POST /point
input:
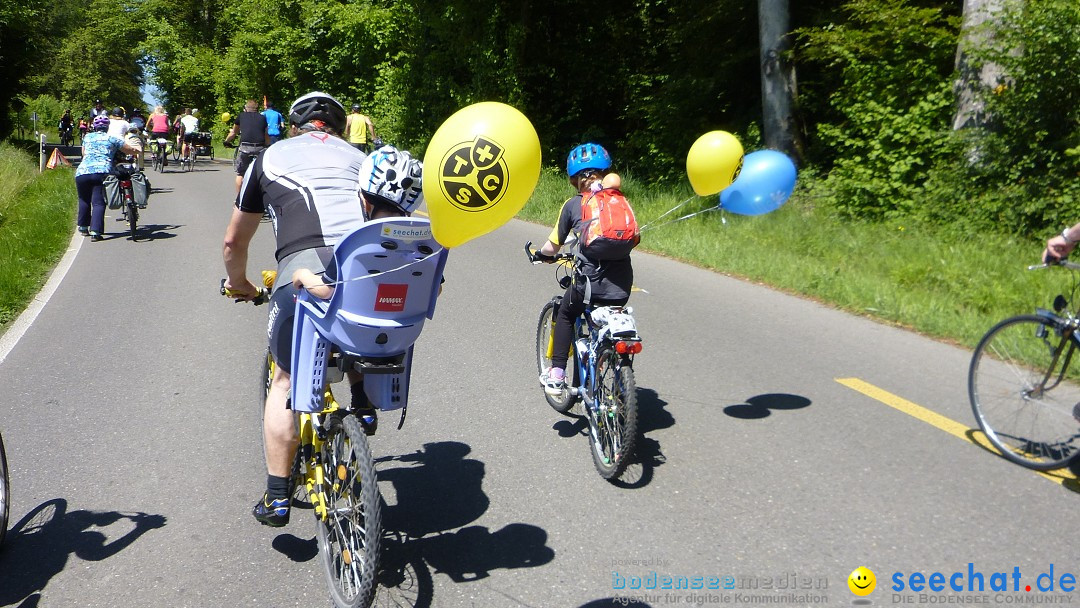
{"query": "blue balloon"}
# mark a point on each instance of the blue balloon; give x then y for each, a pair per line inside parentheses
(765, 182)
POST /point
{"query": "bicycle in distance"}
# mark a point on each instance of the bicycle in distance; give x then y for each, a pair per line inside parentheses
(1023, 390)
(161, 147)
(599, 372)
(387, 287)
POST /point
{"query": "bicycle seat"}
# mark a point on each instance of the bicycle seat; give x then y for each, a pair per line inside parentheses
(389, 272)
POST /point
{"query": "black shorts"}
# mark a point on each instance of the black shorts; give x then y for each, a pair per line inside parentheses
(279, 326)
(245, 155)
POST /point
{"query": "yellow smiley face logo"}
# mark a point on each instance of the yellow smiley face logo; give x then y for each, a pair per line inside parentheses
(861, 581)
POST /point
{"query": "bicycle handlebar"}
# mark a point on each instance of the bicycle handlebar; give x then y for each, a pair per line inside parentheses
(537, 258)
(261, 298)
(1063, 262)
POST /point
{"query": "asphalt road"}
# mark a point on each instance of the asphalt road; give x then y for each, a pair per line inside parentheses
(129, 409)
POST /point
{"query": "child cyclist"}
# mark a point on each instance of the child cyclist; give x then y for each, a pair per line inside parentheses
(603, 282)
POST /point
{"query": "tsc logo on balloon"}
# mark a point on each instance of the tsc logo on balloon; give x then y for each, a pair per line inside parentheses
(473, 174)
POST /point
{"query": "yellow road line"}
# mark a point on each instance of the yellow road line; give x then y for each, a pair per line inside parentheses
(950, 426)
(421, 213)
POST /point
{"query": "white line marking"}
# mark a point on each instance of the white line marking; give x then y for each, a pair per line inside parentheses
(21, 324)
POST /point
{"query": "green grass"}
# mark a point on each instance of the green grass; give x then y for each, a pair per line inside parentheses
(946, 287)
(37, 217)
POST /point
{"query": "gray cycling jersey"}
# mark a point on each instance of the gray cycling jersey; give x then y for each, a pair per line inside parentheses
(308, 184)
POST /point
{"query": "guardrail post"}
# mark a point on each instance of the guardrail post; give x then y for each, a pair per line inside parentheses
(41, 153)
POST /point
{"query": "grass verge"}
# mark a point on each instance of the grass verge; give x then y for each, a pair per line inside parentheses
(37, 216)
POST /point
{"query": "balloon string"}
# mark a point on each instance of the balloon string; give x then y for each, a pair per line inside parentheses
(669, 211)
(682, 218)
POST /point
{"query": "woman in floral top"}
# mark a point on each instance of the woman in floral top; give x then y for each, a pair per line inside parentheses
(98, 148)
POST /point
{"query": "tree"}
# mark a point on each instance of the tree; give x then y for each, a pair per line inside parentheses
(778, 90)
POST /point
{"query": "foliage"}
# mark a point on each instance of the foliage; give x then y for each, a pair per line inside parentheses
(889, 103)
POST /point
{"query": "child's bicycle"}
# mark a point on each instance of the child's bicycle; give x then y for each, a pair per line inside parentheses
(390, 273)
(599, 371)
(1025, 397)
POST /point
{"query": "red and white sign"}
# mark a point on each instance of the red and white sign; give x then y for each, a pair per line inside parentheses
(390, 297)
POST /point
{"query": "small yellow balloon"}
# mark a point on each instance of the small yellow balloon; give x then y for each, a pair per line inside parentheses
(226, 117)
(480, 168)
(713, 162)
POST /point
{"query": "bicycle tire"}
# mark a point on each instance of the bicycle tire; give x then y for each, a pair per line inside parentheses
(613, 420)
(353, 525)
(132, 216)
(176, 154)
(5, 492)
(544, 328)
(1030, 424)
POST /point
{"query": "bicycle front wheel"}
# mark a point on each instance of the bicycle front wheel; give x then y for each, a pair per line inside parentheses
(5, 492)
(545, 330)
(613, 419)
(349, 537)
(1024, 397)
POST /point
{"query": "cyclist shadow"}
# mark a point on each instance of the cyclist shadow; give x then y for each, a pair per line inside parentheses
(1068, 476)
(437, 492)
(652, 416)
(38, 546)
(155, 232)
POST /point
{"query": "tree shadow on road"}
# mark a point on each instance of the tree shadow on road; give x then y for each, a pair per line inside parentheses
(38, 546)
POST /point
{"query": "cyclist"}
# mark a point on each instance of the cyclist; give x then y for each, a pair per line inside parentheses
(309, 184)
(360, 130)
(66, 127)
(118, 127)
(158, 123)
(98, 110)
(274, 122)
(189, 124)
(84, 127)
(251, 127)
(98, 149)
(604, 283)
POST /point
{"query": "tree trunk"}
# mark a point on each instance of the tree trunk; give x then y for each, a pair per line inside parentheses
(778, 90)
(975, 79)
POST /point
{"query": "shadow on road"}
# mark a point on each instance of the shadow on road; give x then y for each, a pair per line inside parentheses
(38, 546)
(652, 416)
(761, 406)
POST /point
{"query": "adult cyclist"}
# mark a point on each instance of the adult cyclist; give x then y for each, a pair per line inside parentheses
(309, 183)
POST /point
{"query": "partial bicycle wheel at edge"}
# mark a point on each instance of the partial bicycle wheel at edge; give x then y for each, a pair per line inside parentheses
(133, 217)
(5, 492)
(349, 539)
(613, 425)
(544, 329)
(1022, 394)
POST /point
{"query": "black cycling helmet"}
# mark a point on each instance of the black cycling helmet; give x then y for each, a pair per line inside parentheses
(356, 107)
(117, 111)
(318, 106)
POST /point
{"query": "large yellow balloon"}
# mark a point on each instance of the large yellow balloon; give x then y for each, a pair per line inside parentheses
(713, 162)
(481, 166)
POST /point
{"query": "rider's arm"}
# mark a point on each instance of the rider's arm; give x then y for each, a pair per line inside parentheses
(233, 132)
(371, 128)
(315, 284)
(238, 236)
(1061, 245)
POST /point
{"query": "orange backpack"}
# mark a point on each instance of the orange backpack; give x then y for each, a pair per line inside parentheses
(609, 229)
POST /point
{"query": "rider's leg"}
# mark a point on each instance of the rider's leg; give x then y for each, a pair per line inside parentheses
(369, 418)
(279, 437)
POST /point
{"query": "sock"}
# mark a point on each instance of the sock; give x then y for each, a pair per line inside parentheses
(556, 374)
(276, 487)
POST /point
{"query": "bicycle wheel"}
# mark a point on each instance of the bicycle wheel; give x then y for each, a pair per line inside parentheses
(544, 330)
(613, 421)
(132, 215)
(349, 538)
(1024, 399)
(5, 492)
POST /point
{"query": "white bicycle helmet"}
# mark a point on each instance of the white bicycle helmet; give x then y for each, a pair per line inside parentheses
(318, 106)
(393, 177)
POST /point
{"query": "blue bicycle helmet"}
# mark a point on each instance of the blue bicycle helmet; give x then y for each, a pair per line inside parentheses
(587, 156)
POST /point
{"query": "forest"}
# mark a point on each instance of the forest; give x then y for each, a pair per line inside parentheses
(963, 115)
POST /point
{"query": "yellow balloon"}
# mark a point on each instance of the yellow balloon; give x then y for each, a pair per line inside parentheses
(480, 168)
(713, 162)
(226, 117)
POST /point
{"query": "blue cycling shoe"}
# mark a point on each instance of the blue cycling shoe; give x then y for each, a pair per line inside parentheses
(273, 513)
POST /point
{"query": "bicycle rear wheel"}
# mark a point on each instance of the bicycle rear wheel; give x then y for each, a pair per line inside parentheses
(132, 215)
(544, 334)
(5, 492)
(1024, 398)
(349, 538)
(613, 420)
